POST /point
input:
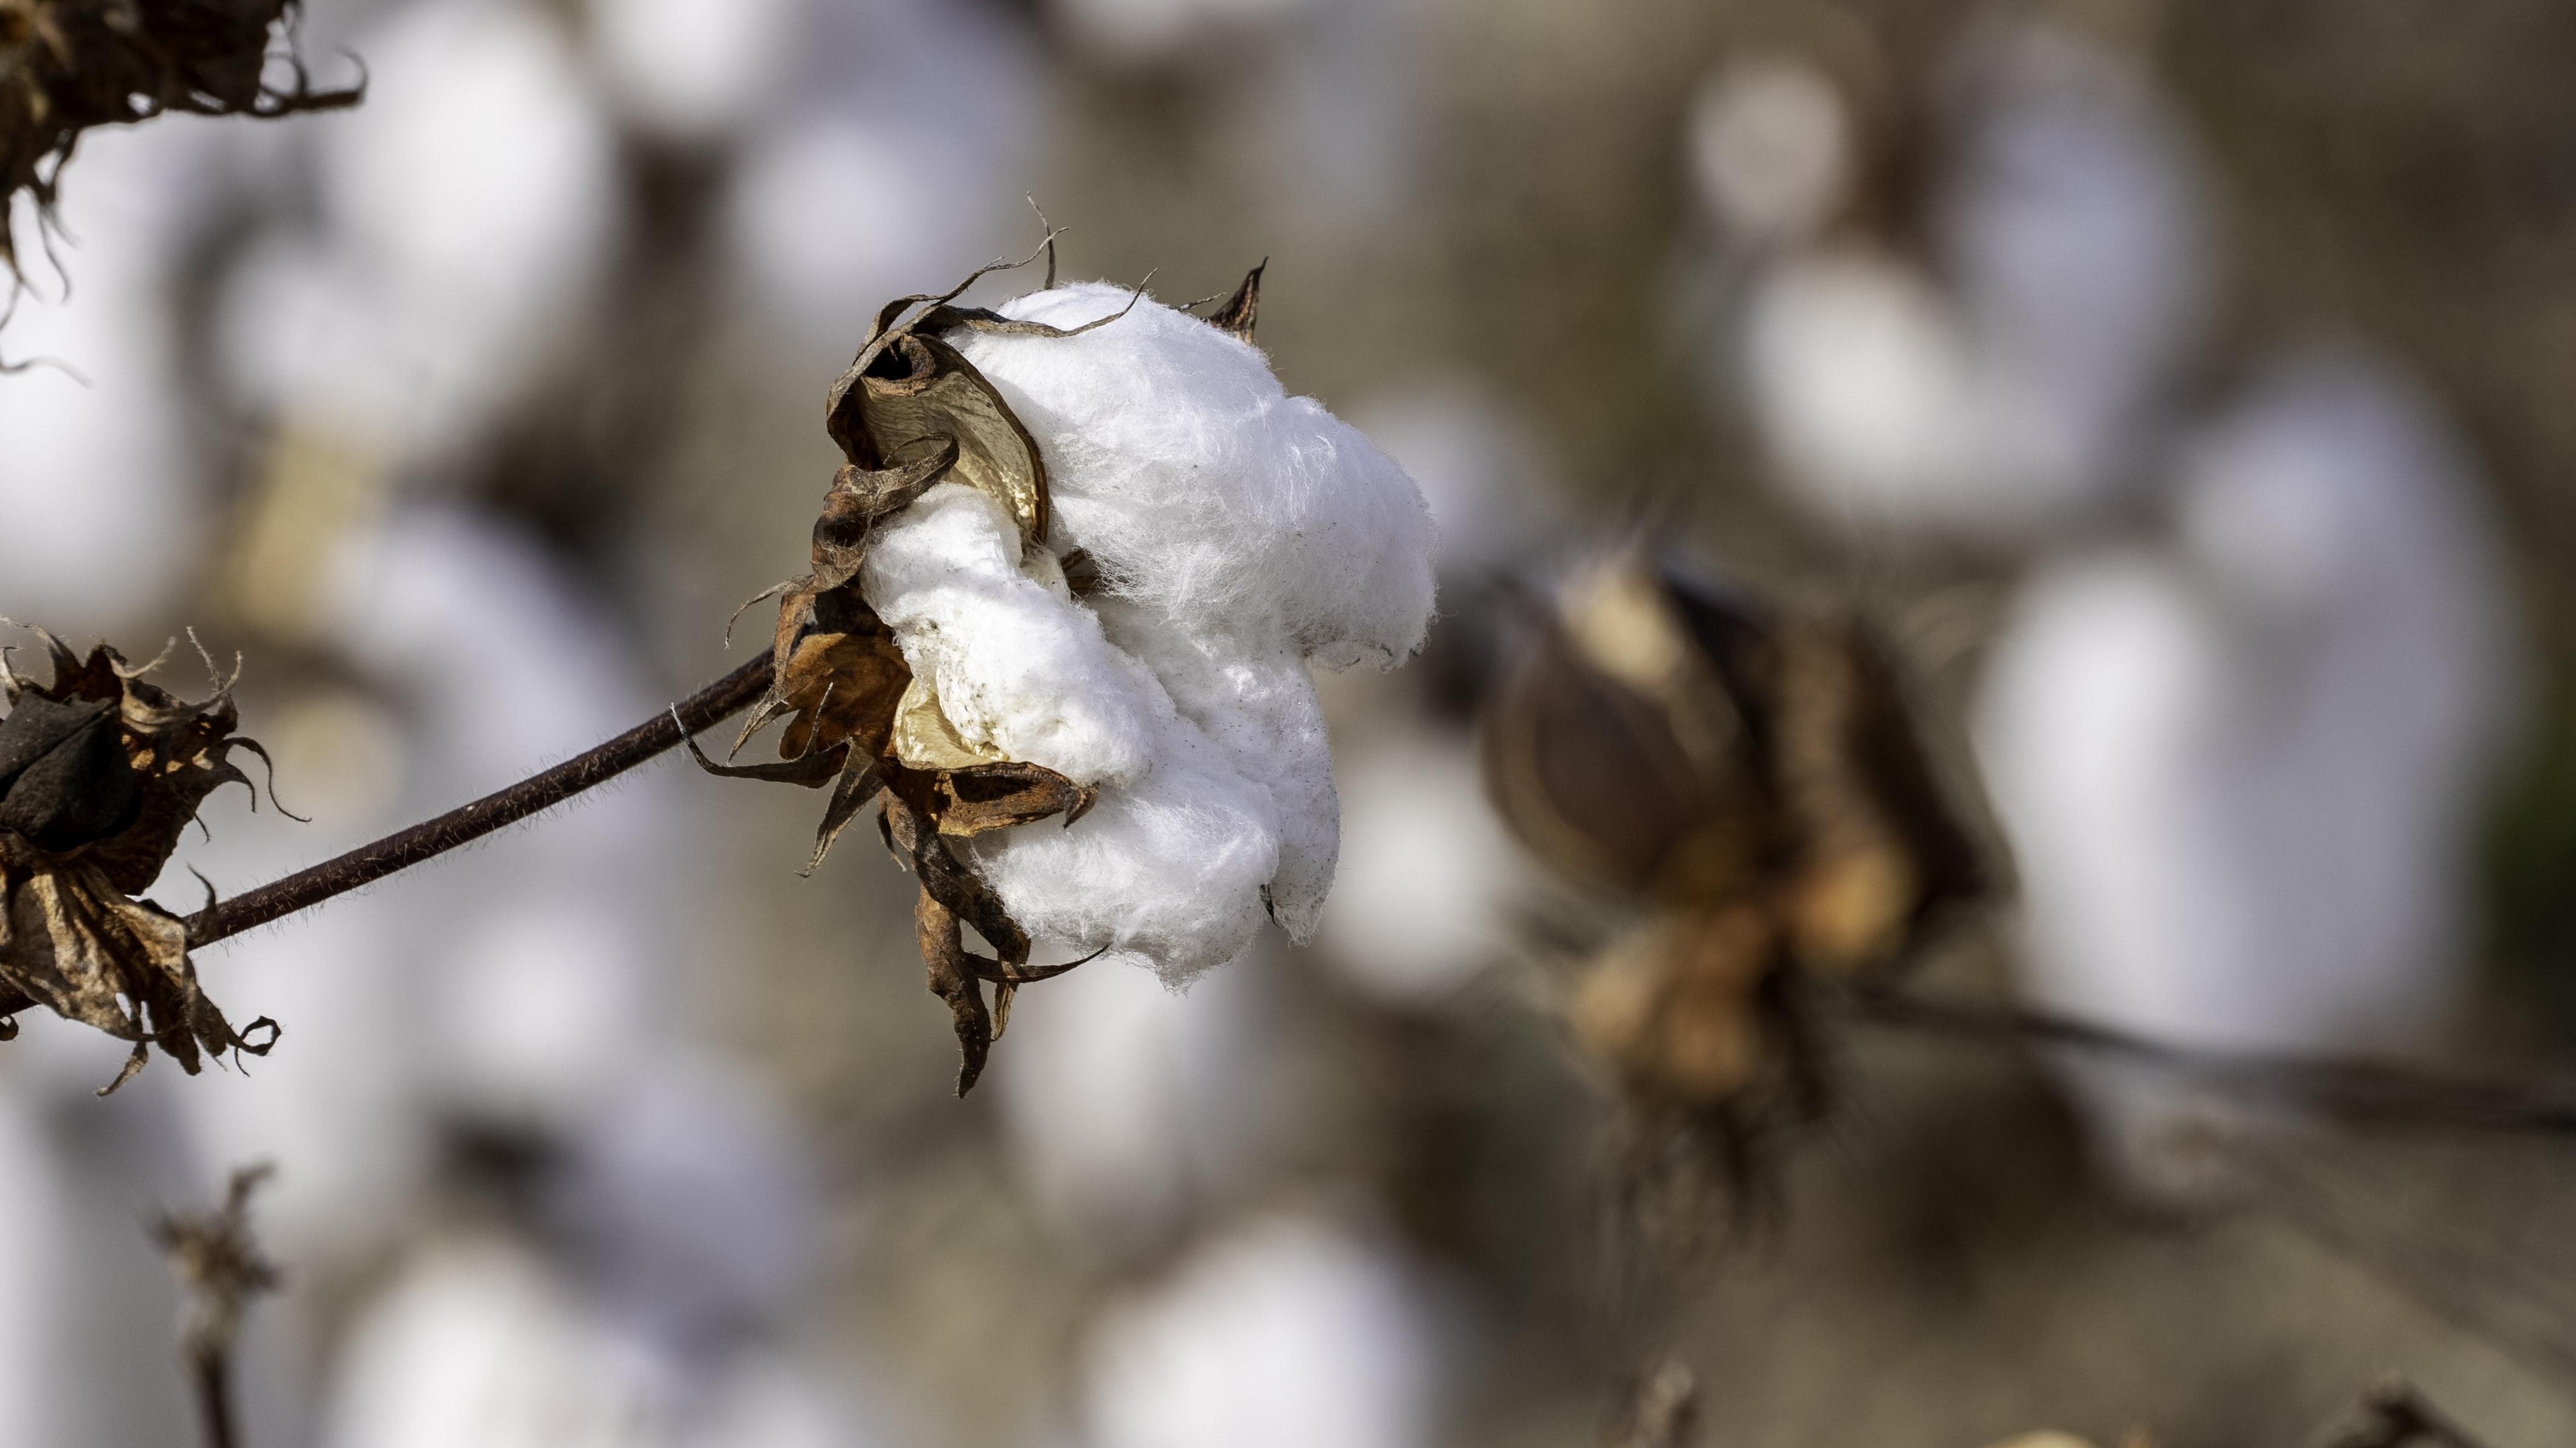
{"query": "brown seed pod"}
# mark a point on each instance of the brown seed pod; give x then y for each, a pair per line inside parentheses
(100, 772)
(68, 65)
(1754, 775)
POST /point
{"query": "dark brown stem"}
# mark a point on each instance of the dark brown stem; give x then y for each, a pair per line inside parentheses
(2364, 1091)
(465, 824)
(214, 1394)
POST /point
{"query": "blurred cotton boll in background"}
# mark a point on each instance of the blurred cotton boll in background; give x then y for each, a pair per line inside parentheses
(693, 70)
(2004, 384)
(1289, 1330)
(871, 173)
(1771, 142)
(102, 479)
(463, 216)
(1135, 1109)
(2239, 768)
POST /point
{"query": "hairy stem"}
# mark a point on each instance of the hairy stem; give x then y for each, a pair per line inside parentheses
(2359, 1091)
(465, 824)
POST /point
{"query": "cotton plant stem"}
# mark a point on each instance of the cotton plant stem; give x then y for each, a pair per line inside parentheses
(465, 824)
(2359, 1091)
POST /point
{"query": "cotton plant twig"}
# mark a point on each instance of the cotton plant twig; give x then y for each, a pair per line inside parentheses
(465, 824)
(2395, 1415)
(2353, 1090)
(216, 1257)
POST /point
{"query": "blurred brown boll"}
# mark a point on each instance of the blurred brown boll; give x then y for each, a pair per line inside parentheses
(1753, 775)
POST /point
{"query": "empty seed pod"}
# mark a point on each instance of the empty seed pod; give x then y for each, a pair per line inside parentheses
(100, 772)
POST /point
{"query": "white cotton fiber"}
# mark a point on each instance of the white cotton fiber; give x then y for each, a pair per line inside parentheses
(1240, 534)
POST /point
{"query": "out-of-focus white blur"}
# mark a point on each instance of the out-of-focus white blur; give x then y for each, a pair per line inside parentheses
(2239, 763)
(1992, 369)
(1291, 1330)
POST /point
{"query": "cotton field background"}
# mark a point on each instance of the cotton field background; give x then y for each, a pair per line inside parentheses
(2183, 390)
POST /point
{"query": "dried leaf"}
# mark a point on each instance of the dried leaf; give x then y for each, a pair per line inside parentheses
(99, 774)
(1242, 311)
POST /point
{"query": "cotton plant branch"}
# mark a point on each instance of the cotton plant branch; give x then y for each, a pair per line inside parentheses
(2351, 1090)
(465, 824)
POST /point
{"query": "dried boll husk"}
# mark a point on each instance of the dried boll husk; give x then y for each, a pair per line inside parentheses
(1697, 748)
(1751, 773)
(100, 772)
(68, 65)
(910, 413)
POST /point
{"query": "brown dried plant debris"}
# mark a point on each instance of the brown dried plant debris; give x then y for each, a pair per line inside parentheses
(100, 773)
(1753, 775)
(910, 413)
(69, 65)
(220, 1263)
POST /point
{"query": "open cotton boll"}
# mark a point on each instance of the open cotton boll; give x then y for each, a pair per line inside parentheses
(1206, 493)
(1238, 534)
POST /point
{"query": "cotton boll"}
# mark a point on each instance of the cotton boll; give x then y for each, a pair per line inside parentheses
(1290, 1331)
(1771, 149)
(2237, 772)
(1134, 1108)
(1167, 871)
(2073, 224)
(1428, 874)
(1859, 378)
(466, 208)
(1261, 711)
(692, 69)
(2006, 386)
(1016, 663)
(1239, 533)
(1207, 494)
(868, 176)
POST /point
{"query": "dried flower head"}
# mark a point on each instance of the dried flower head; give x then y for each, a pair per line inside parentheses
(68, 65)
(1754, 775)
(100, 773)
(1075, 568)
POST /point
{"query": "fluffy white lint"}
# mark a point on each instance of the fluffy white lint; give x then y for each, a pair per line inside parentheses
(1239, 535)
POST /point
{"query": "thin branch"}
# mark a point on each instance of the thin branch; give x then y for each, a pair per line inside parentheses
(2366, 1091)
(367, 864)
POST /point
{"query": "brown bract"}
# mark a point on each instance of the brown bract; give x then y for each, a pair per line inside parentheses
(910, 413)
(100, 772)
(68, 65)
(1754, 775)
